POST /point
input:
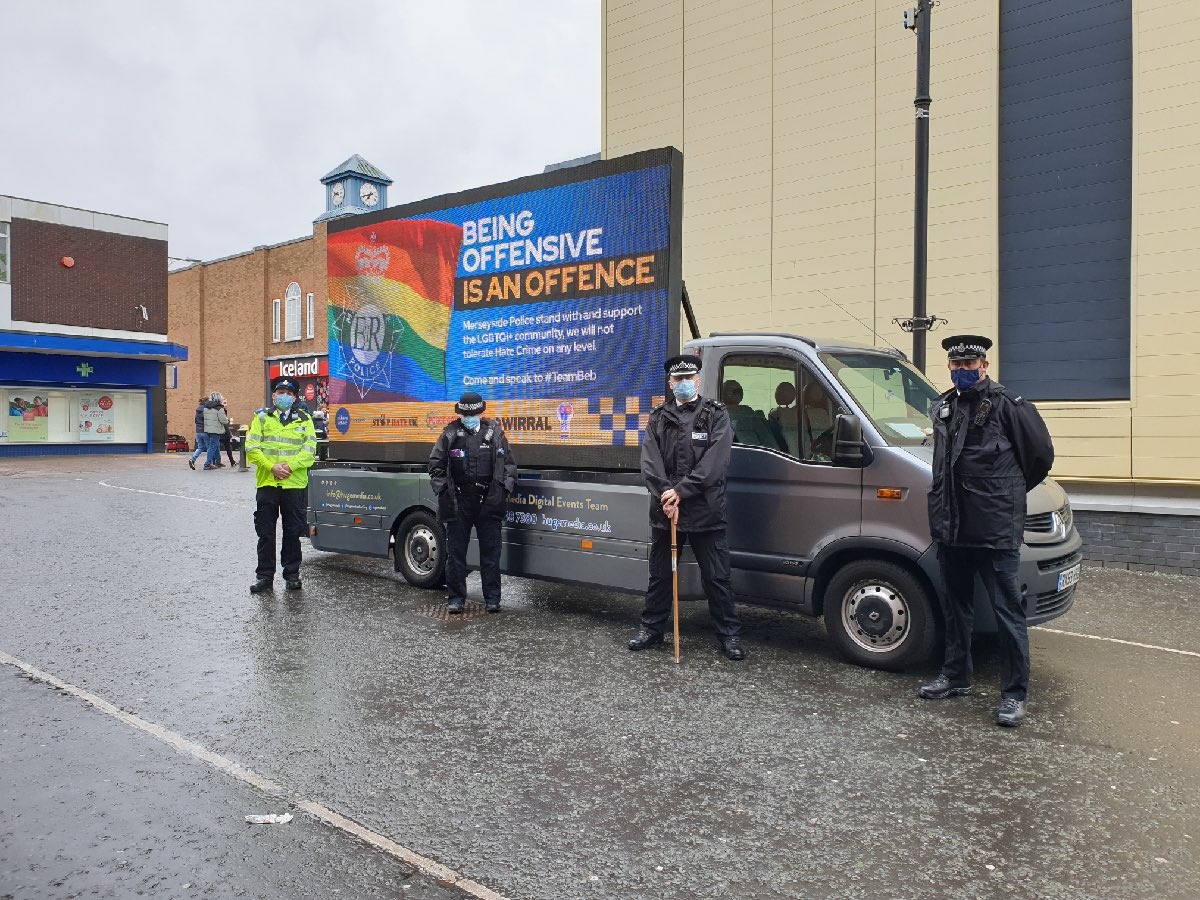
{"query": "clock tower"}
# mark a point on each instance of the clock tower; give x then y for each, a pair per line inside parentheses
(354, 187)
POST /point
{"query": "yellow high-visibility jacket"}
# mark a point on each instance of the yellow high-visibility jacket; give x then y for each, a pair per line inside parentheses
(270, 442)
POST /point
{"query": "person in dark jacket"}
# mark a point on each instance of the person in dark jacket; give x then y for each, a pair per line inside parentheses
(685, 456)
(201, 437)
(473, 473)
(989, 450)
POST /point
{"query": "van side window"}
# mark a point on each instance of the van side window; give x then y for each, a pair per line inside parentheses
(759, 391)
(818, 412)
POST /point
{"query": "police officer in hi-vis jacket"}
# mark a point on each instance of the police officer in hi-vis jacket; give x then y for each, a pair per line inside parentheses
(282, 445)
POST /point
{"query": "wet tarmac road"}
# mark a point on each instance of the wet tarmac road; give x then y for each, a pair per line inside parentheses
(532, 753)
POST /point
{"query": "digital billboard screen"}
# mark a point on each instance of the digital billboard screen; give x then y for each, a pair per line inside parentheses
(554, 297)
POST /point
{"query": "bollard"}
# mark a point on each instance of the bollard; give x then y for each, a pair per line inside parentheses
(242, 450)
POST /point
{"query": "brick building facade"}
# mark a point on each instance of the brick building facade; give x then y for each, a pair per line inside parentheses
(85, 361)
(243, 314)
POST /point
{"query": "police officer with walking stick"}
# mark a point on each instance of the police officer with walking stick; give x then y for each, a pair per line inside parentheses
(473, 473)
(685, 456)
(989, 449)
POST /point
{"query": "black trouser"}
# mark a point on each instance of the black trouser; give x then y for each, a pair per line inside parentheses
(999, 572)
(711, 550)
(288, 504)
(486, 518)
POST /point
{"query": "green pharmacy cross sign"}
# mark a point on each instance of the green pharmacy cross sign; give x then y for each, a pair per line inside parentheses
(84, 369)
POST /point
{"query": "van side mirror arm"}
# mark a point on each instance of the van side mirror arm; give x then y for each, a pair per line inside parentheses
(850, 451)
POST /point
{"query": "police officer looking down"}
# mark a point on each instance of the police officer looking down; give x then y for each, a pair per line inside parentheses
(282, 445)
(989, 450)
(685, 456)
(473, 473)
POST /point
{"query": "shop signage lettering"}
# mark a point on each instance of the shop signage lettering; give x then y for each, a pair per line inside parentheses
(308, 367)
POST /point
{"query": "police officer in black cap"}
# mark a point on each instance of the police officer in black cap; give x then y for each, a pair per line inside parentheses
(473, 473)
(684, 459)
(989, 450)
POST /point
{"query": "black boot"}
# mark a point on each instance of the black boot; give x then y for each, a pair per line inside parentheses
(645, 638)
(492, 606)
(262, 585)
(941, 688)
(732, 647)
(294, 583)
(1011, 713)
(456, 606)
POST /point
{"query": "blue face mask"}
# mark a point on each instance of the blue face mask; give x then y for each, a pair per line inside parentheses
(684, 390)
(471, 423)
(964, 379)
(284, 401)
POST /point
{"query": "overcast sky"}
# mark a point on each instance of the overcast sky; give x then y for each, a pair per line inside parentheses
(219, 117)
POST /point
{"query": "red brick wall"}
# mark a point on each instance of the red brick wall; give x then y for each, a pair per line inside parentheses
(114, 276)
(222, 312)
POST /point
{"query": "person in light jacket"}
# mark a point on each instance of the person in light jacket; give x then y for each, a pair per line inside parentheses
(215, 421)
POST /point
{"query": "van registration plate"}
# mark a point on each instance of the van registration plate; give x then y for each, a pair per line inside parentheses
(1069, 577)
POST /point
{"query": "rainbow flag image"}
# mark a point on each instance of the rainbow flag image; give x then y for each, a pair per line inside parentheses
(391, 292)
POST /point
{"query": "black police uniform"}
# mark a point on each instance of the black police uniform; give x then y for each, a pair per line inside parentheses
(687, 448)
(989, 450)
(472, 474)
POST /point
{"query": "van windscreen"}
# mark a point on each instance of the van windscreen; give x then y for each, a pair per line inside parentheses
(895, 396)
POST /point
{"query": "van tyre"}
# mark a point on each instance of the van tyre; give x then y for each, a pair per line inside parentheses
(880, 615)
(420, 551)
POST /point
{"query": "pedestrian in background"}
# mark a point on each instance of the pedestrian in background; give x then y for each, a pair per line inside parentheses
(201, 442)
(473, 473)
(227, 435)
(282, 446)
(215, 421)
(685, 455)
(989, 450)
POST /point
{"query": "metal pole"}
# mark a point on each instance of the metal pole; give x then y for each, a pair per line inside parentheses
(242, 449)
(921, 216)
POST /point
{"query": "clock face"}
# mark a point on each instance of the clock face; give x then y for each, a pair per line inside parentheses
(338, 193)
(369, 194)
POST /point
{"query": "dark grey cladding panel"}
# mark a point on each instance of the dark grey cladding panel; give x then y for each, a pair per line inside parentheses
(1066, 143)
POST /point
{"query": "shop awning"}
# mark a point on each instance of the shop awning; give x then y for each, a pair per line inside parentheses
(82, 345)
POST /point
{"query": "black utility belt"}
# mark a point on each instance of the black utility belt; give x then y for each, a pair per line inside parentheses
(472, 489)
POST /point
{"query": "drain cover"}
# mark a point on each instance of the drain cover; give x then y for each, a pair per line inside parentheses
(438, 611)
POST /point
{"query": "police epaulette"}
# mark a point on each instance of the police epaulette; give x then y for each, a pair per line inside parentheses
(265, 409)
(713, 404)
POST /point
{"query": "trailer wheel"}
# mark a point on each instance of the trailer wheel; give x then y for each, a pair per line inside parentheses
(880, 615)
(420, 552)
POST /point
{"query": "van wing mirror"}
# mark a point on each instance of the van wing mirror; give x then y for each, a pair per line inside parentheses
(849, 449)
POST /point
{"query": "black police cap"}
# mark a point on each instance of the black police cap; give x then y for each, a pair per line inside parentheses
(683, 366)
(470, 404)
(966, 346)
(284, 382)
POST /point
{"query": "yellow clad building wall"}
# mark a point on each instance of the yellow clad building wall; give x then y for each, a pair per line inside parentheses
(796, 124)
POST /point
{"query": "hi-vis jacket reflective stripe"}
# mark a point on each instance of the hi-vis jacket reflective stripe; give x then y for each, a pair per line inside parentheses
(270, 442)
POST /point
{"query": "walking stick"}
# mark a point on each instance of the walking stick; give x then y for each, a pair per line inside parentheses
(675, 586)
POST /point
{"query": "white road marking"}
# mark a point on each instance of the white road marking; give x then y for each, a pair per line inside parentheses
(117, 487)
(1096, 637)
(250, 777)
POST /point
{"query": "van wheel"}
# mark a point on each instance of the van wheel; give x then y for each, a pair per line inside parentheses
(880, 615)
(420, 551)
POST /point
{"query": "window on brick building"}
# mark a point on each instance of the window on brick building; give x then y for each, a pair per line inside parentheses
(308, 316)
(275, 319)
(4, 269)
(292, 313)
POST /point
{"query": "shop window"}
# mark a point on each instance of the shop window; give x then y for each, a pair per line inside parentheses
(308, 316)
(4, 244)
(292, 313)
(275, 319)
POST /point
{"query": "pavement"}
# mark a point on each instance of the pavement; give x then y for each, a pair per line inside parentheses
(529, 753)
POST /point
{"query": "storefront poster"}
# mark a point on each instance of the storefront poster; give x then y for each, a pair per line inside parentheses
(96, 417)
(28, 418)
